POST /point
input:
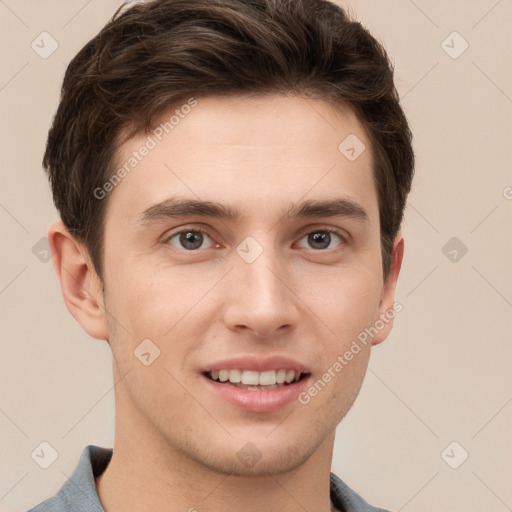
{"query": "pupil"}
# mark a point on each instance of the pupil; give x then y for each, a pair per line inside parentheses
(187, 238)
(323, 238)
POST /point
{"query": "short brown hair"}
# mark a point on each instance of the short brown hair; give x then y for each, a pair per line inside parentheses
(151, 56)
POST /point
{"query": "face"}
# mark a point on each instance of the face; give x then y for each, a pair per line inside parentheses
(281, 270)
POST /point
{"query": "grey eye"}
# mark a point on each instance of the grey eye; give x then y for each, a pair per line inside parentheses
(321, 239)
(190, 239)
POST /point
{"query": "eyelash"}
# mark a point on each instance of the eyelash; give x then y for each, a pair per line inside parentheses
(204, 232)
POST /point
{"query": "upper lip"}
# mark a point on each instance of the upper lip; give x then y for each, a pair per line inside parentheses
(258, 364)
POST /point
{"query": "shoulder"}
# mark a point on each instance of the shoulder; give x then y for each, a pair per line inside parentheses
(78, 492)
(54, 504)
(347, 500)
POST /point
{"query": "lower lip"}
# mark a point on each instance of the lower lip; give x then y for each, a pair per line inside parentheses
(267, 400)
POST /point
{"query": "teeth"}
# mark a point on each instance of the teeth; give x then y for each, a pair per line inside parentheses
(290, 376)
(280, 376)
(235, 376)
(267, 378)
(251, 379)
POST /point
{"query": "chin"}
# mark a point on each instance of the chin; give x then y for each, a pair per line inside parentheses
(260, 463)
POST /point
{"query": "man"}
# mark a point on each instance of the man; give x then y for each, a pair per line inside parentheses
(231, 177)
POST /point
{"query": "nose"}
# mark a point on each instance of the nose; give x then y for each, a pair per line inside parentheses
(261, 297)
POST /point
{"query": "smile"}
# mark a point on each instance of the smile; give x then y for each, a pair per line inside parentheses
(258, 398)
(254, 380)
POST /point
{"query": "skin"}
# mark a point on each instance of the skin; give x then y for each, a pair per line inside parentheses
(176, 443)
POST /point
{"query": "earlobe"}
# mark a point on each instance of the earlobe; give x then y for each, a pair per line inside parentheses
(387, 309)
(81, 287)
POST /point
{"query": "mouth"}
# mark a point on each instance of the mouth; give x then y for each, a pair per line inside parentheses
(255, 384)
(256, 381)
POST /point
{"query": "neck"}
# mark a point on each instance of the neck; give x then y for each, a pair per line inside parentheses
(146, 473)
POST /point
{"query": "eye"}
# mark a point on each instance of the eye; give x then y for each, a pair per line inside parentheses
(322, 238)
(194, 239)
(190, 239)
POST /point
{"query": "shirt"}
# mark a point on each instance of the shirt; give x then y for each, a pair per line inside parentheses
(78, 493)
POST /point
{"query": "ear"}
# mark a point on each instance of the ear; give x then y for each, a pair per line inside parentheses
(387, 309)
(81, 287)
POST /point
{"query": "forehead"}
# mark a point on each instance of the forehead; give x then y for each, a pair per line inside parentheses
(255, 152)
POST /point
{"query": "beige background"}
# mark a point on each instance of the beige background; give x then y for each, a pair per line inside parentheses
(444, 373)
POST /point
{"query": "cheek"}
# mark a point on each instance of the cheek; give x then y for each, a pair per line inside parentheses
(347, 306)
(336, 386)
(145, 301)
(162, 305)
(347, 302)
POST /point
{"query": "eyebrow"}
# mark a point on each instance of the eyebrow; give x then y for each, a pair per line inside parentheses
(181, 207)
